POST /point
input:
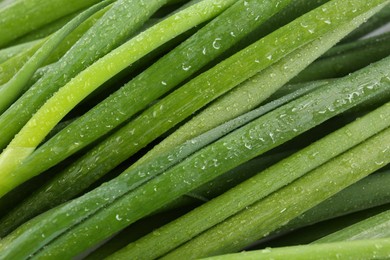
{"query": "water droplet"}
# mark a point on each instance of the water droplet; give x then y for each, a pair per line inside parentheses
(216, 44)
(313, 155)
(185, 67)
(379, 163)
(272, 137)
(215, 162)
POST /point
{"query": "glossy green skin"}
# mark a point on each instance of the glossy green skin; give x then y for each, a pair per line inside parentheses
(367, 188)
(354, 57)
(33, 14)
(161, 77)
(375, 22)
(353, 250)
(247, 170)
(11, 90)
(356, 45)
(373, 199)
(9, 68)
(256, 188)
(61, 225)
(274, 211)
(294, 10)
(249, 141)
(122, 20)
(202, 194)
(26, 210)
(377, 226)
(126, 102)
(45, 30)
(10, 52)
(250, 93)
(122, 142)
(72, 93)
(374, 192)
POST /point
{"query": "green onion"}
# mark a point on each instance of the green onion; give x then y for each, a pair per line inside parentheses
(46, 30)
(255, 188)
(347, 58)
(11, 90)
(252, 92)
(240, 146)
(10, 52)
(33, 14)
(92, 168)
(123, 19)
(156, 81)
(276, 210)
(9, 68)
(205, 121)
(382, 18)
(79, 87)
(372, 192)
(365, 249)
(333, 217)
(38, 201)
(377, 226)
(117, 141)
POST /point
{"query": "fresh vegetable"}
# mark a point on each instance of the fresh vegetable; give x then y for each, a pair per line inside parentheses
(265, 216)
(129, 132)
(363, 249)
(10, 52)
(254, 189)
(11, 90)
(33, 14)
(372, 193)
(374, 227)
(347, 58)
(116, 114)
(116, 108)
(32, 134)
(226, 153)
(367, 187)
(9, 68)
(37, 202)
(123, 19)
(380, 19)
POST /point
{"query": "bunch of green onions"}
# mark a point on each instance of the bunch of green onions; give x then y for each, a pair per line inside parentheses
(190, 129)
